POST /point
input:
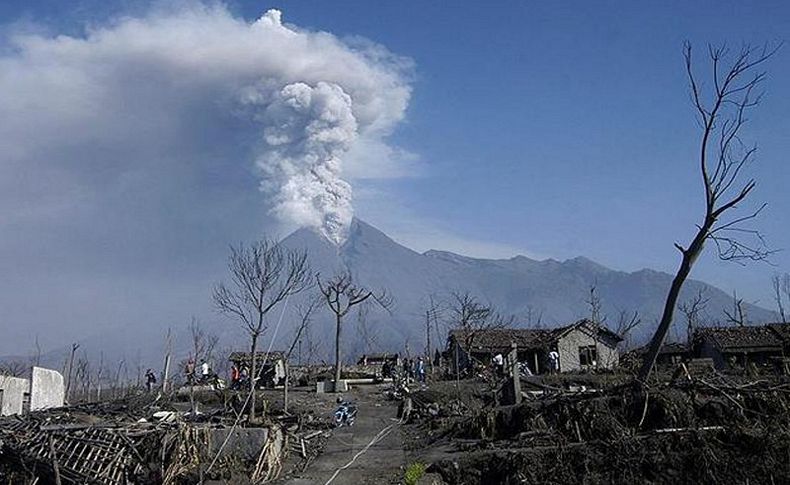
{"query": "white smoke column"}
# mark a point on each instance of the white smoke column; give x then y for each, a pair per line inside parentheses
(143, 97)
(308, 127)
(308, 130)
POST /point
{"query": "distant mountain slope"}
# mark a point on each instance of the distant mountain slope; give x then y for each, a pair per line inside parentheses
(517, 286)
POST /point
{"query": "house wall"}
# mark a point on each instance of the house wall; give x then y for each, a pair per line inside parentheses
(46, 389)
(707, 350)
(568, 348)
(14, 389)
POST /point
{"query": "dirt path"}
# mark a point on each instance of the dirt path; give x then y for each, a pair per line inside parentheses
(380, 464)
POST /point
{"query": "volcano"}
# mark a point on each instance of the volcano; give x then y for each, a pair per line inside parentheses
(537, 292)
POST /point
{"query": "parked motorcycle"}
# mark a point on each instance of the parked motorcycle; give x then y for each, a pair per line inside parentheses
(345, 414)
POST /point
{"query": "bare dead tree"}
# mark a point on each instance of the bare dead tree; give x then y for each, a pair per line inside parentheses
(82, 377)
(74, 348)
(596, 306)
(341, 294)
(100, 376)
(36, 360)
(693, 309)
(432, 314)
(781, 287)
(305, 312)
(262, 275)
(721, 110)
(626, 323)
(203, 342)
(737, 316)
(116, 380)
(534, 317)
(13, 368)
(470, 317)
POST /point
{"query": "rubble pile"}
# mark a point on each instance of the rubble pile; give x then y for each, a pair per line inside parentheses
(141, 440)
(705, 430)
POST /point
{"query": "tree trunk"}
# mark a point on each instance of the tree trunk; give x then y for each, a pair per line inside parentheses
(689, 257)
(337, 351)
(285, 387)
(253, 346)
(68, 374)
(166, 373)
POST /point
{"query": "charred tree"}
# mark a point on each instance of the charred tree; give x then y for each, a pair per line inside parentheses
(341, 294)
(721, 110)
(262, 275)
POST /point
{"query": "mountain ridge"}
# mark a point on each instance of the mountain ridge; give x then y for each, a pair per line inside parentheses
(518, 285)
(536, 292)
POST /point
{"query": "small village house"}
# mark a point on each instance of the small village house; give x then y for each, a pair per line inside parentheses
(741, 346)
(669, 355)
(581, 345)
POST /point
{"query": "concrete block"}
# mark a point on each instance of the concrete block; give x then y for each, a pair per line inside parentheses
(47, 389)
(329, 386)
(12, 394)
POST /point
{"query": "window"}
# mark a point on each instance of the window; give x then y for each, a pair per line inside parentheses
(588, 356)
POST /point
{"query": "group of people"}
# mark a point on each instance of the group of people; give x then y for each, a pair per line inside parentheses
(198, 375)
(414, 369)
(498, 363)
(239, 377)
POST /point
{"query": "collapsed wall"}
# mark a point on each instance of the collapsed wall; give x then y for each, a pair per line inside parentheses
(47, 389)
(13, 392)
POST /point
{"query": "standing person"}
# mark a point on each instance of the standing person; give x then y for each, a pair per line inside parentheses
(150, 379)
(205, 370)
(189, 370)
(554, 361)
(499, 364)
(406, 367)
(235, 377)
(421, 370)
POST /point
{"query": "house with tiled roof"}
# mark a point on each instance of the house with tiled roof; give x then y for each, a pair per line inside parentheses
(670, 354)
(742, 345)
(580, 345)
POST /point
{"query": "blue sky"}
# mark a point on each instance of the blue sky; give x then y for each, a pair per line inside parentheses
(551, 129)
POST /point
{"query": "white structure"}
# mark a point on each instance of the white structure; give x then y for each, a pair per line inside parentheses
(47, 389)
(44, 390)
(14, 393)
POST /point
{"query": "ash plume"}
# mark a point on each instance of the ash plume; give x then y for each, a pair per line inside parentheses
(151, 93)
(307, 130)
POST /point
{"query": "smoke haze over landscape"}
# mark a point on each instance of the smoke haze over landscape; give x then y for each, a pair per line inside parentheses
(138, 142)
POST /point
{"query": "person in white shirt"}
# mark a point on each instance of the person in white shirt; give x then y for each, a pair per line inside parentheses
(499, 364)
(554, 361)
(205, 370)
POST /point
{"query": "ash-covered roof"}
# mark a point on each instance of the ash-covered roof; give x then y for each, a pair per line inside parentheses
(740, 339)
(782, 330)
(260, 356)
(384, 356)
(668, 348)
(498, 339)
(501, 338)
